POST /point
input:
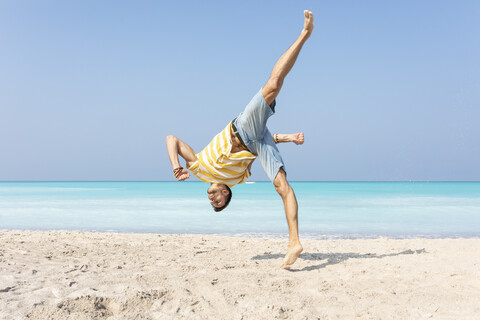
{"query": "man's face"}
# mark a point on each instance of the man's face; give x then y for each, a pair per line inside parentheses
(217, 194)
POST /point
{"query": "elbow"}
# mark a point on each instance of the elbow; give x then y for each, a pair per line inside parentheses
(170, 138)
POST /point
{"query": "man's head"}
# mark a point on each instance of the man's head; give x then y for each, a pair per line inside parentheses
(219, 196)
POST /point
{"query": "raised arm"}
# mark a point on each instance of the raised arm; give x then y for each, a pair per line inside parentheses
(176, 147)
(297, 138)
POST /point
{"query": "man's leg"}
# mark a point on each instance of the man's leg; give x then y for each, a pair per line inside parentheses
(270, 92)
(291, 211)
(251, 123)
(286, 62)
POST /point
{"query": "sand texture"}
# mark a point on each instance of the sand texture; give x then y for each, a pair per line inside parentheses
(81, 275)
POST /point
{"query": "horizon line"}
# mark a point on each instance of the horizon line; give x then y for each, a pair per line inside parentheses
(246, 181)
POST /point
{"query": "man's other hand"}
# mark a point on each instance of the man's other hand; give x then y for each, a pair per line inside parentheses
(298, 138)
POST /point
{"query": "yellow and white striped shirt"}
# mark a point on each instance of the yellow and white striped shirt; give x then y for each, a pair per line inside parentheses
(217, 164)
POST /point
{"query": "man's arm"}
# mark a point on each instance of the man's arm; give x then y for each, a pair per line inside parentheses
(297, 138)
(176, 147)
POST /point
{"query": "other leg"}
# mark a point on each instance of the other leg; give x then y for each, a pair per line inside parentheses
(291, 211)
(286, 61)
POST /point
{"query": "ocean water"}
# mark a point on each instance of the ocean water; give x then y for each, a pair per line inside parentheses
(326, 209)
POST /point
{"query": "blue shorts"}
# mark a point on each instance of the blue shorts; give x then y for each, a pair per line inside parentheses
(252, 127)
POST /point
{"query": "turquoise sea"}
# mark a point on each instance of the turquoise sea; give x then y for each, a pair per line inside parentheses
(326, 209)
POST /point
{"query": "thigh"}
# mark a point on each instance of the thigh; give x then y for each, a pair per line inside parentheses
(269, 155)
(252, 122)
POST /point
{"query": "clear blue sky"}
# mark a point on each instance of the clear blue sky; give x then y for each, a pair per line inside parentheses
(384, 90)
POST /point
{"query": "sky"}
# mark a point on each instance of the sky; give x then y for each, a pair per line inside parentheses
(383, 90)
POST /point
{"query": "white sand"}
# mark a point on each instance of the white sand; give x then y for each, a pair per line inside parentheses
(79, 275)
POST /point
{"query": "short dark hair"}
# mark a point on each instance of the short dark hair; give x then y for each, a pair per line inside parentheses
(229, 197)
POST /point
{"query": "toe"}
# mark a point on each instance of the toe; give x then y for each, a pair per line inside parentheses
(285, 266)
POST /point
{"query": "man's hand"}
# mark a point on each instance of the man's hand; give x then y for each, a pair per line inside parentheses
(308, 26)
(181, 174)
(298, 138)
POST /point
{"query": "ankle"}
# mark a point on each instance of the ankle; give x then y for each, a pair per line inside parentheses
(305, 34)
(294, 244)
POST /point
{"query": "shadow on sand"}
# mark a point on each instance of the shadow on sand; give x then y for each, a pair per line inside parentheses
(333, 258)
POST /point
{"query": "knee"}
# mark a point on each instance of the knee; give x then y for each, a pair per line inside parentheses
(274, 84)
(283, 189)
(282, 186)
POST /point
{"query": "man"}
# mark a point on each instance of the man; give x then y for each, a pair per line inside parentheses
(227, 160)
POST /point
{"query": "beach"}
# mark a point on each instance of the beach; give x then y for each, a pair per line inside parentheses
(94, 275)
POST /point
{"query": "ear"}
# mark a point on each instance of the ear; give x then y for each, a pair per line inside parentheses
(225, 192)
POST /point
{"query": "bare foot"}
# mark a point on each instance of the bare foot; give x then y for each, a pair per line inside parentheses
(308, 25)
(298, 138)
(291, 256)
